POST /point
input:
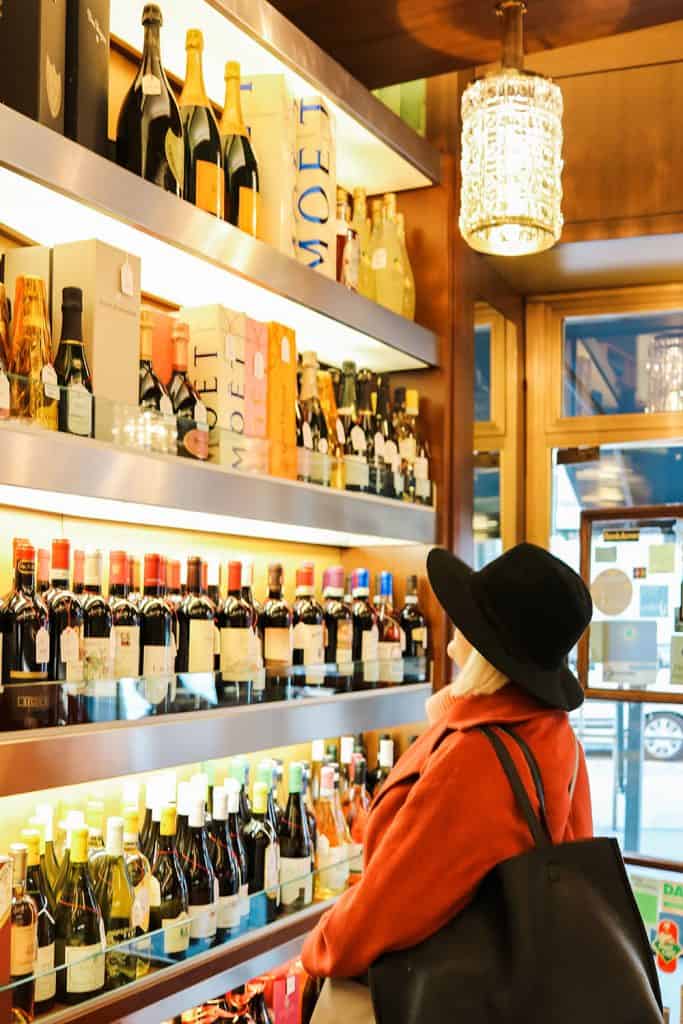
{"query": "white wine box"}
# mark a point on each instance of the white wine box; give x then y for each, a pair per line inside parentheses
(227, 371)
(315, 199)
(269, 111)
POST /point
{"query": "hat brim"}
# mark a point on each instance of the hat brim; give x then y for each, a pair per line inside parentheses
(451, 581)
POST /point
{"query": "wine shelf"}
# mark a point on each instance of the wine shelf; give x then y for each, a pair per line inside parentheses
(53, 191)
(168, 992)
(61, 473)
(88, 753)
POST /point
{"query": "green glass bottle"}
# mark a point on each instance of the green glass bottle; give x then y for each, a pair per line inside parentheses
(80, 936)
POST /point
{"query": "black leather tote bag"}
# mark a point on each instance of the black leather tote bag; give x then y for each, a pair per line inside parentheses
(553, 936)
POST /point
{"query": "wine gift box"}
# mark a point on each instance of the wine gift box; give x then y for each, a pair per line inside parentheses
(316, 186)
(86, 101)
(256, 383)
(222, 370)
(32, 52)
(282, 400)
(269, 110)
(5, 927)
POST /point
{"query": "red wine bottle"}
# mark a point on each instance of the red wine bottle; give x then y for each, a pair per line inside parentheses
(338, 628)
(156, 637)
(309, 632)
(195, 625)
(416, 633)
(66, 619)
(276, 626)
(97, 622)
(125, 619)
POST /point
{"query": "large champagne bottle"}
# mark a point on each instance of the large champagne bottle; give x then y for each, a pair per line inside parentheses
(242, 199)
(35, 392)
(149, 136)
(80, 930)
(204, 178)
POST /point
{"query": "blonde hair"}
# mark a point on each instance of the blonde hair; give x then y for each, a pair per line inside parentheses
(478, 678)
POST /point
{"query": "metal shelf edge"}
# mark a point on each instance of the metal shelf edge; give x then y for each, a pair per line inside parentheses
(68, 756)
(36, 152)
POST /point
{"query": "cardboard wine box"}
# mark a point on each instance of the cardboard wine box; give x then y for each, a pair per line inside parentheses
(221, 370)
(316, 186)
(162, 346)
(86, 100)
(5, 926)
(269, 111)
(32, 51)
(282, 400)
(256, 382)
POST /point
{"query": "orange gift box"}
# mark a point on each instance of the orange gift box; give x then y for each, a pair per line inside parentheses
(282, 400)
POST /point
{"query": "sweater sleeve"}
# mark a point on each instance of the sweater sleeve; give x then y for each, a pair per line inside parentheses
(406, 892)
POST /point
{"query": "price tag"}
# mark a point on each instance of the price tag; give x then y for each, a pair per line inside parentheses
(200, 412)
(42, 646)
(69, 645)
(127, 282)
(4, 392)
(259, 366)
(341, 433)
(49, 378)
(358, 439)
(151, 85)
(307, 436)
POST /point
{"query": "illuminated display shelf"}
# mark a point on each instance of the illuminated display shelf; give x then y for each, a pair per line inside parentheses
(78, 754)
(54, 191)
(172, 990)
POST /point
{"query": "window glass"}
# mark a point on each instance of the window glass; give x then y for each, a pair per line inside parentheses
(488, 542)
(659, 895)
(482, 373)
(623, 364)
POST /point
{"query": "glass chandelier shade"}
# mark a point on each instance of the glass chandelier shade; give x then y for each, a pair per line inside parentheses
(511, 155)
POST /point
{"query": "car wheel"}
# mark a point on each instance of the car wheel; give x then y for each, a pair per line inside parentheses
(663, 736)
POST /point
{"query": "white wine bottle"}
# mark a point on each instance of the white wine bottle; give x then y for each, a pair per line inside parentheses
(80, 937)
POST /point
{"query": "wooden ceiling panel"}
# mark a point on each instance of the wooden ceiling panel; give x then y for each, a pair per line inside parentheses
(388, 41)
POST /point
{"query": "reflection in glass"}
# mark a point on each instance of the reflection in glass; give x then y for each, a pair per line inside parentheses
(482, 373)
(486, 525)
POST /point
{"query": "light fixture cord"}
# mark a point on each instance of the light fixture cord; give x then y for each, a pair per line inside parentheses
(512, 12)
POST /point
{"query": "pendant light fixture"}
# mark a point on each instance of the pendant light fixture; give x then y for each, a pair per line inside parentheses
(511, 156)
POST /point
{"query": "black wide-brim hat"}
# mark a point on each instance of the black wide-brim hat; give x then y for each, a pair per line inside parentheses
(523, 612)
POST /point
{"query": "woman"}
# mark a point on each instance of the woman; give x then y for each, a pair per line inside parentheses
(446, 815)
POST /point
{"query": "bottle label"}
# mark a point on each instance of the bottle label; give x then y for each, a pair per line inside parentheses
(203, 920)
(84, 967)
(421, 468)
(78, 410)
(379, 445)
(244, 900)
(200, 654)
(154, 892)
(391, 454)
(42, 646)
(229, 911)
(422, 488)
(174, 147)
(332, 865)
(311, 640)
(420, 635)
(379, 259)
(390, 662)
(271, 873)
(249, 216)
(358, 439)
(157, 661)
(341, 433)
(370, 644)
(46, 986)
(70, 644)
(176, 933)
(22, 950)
(307, 435)
(296, 881)
(126, 651)
(141, 905)
(407, 449)
(303, 463)
(357, 472)
(344, 640)
(209, 187)
(50, 383)
(98, 655)
(151, 85)
(236, 654)
(278, 645)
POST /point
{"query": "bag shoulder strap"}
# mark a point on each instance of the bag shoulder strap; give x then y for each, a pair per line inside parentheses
(537, 827)
(535, 771)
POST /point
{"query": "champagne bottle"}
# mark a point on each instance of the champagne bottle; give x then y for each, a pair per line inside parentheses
(242, 198)
(149, 135)
(23, 937)
(71, 367)
(204, 177)
(34, 388)
(348, 244)
(408, 276)
(226, 867)
(116, 898)
(169, 905)
(296, 850)
(37, 889)
(387, 260)
(159, 431)
(361, 225)
(80, 936)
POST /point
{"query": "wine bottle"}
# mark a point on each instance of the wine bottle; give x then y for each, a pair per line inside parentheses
(37, 889)
(258, 1010)
(361, 225)
(79, 929)
(308, 637)
(276, 626)
(25, 653)
(386, 258)
(416, 633)
(159, 423)
(43, 572)
(190, 411)
(116, 899)
(48, 858)
(265, 773)
(348, 244)
(342, 827)
(330, 859)
(235, 831)
(77, 584)
(97, 626)
(390, 635)
(149, 134)
(151, 800)
(308, 804)
(346, 770)
(156, 635)
(204, 183)
(65, 619)
(338, 627)
(34, 388)
(314, 430)
(408, 309)
(182, 832)
(261, 847)
(125, 619)
(355, 442)
(23, 937)
(296, 848)
(317, 759)
(73, 820)
(357, 811)
(238, 636)
(226, 868)
(365, 388)
(201, 881)
(139, 872)
(195, 625)
(169, 902)
(384, 765)
(365, 632)
(242, 198)
(73, 372)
